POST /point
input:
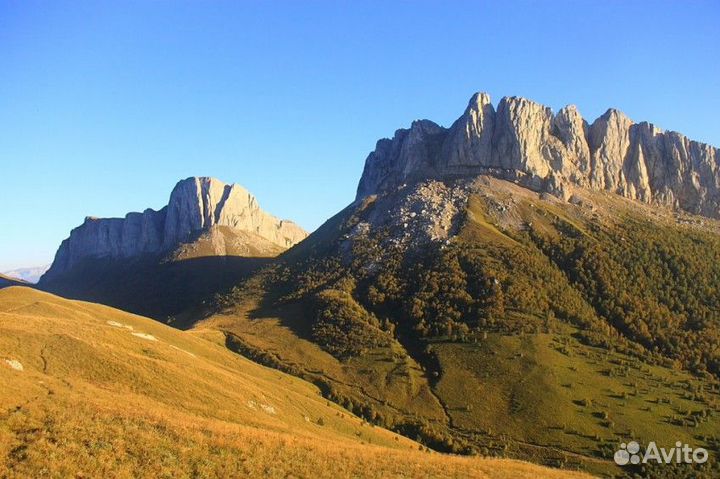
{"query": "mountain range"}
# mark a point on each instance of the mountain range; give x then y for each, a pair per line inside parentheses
(525, 142)
(523, 285)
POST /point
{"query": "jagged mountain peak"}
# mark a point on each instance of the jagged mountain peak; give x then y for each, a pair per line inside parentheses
(525, 142)
(478, 102)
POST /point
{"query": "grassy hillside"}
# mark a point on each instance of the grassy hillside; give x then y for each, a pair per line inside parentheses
(90, 391)
(542, 330)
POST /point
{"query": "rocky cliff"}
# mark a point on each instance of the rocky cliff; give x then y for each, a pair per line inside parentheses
(196, 206)
(527, 143)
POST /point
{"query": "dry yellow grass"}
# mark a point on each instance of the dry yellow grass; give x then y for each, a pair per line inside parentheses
(90, 391)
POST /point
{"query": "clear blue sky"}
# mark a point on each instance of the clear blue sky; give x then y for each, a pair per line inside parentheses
(105, 105)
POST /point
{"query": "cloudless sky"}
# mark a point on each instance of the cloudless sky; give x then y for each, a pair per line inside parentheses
(104, 106)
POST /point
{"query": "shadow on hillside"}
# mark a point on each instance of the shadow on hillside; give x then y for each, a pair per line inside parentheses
(174, 292)
(295, 315)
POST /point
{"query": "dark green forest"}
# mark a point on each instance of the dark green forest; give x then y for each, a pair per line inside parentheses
(647, 290)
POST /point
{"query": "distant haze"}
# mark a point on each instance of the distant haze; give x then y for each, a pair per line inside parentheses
(31, 274)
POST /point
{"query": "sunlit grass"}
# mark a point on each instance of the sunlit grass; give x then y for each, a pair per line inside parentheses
(95, 400)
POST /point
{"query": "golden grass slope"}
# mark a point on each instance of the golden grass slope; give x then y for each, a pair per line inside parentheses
(90, 391)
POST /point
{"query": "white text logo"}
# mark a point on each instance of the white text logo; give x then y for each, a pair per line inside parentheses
(680, 454)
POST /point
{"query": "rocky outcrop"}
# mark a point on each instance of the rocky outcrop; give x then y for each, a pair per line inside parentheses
(196, 206)
(527, 143)
(426, 212)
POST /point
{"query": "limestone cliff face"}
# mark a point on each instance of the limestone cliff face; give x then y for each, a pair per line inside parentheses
(196, 205)
(526, 142)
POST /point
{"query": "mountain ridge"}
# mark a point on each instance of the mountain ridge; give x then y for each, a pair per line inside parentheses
(197, 205)
(525, 142)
